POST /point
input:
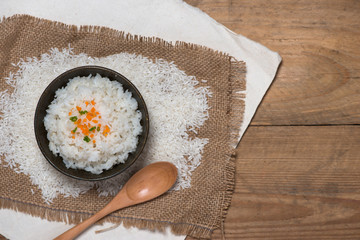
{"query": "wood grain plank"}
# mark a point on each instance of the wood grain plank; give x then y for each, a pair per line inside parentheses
(318, 81)
(296, 183)
(299, 182)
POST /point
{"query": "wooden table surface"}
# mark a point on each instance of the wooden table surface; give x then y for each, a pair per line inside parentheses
(298, 164)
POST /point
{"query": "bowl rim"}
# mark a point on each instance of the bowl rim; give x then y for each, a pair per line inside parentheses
(139, 147)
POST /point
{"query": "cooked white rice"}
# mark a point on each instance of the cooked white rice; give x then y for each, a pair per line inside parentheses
(95, 104)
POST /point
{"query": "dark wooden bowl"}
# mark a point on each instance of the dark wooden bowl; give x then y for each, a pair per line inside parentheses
(48, 96)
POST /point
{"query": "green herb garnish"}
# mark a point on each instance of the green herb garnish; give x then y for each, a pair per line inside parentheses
(73, 131)
(91, 129)
(86, 139)
(98, 129)
(83, 112)
(73, 119)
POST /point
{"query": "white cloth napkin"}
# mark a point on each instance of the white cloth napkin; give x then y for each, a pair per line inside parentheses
(172, 20)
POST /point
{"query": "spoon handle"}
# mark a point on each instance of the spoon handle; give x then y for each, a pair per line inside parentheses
(148, 183)
(120, 201)
(75, 231)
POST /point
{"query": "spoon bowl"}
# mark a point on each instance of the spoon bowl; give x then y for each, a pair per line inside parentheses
(148, 183)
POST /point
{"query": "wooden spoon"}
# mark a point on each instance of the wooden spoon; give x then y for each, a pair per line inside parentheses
(148, 183)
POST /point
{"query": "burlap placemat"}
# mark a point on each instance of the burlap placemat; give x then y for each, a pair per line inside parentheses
(195, 211)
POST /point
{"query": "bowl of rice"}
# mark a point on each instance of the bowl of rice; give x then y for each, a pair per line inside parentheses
(91, 123)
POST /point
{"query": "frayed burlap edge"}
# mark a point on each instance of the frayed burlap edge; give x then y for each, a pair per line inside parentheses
(237, 107)
(112, 33)
(59, 215)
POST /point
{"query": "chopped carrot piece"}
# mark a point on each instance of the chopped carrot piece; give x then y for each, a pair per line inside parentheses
(106, 130)
(89, 124)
